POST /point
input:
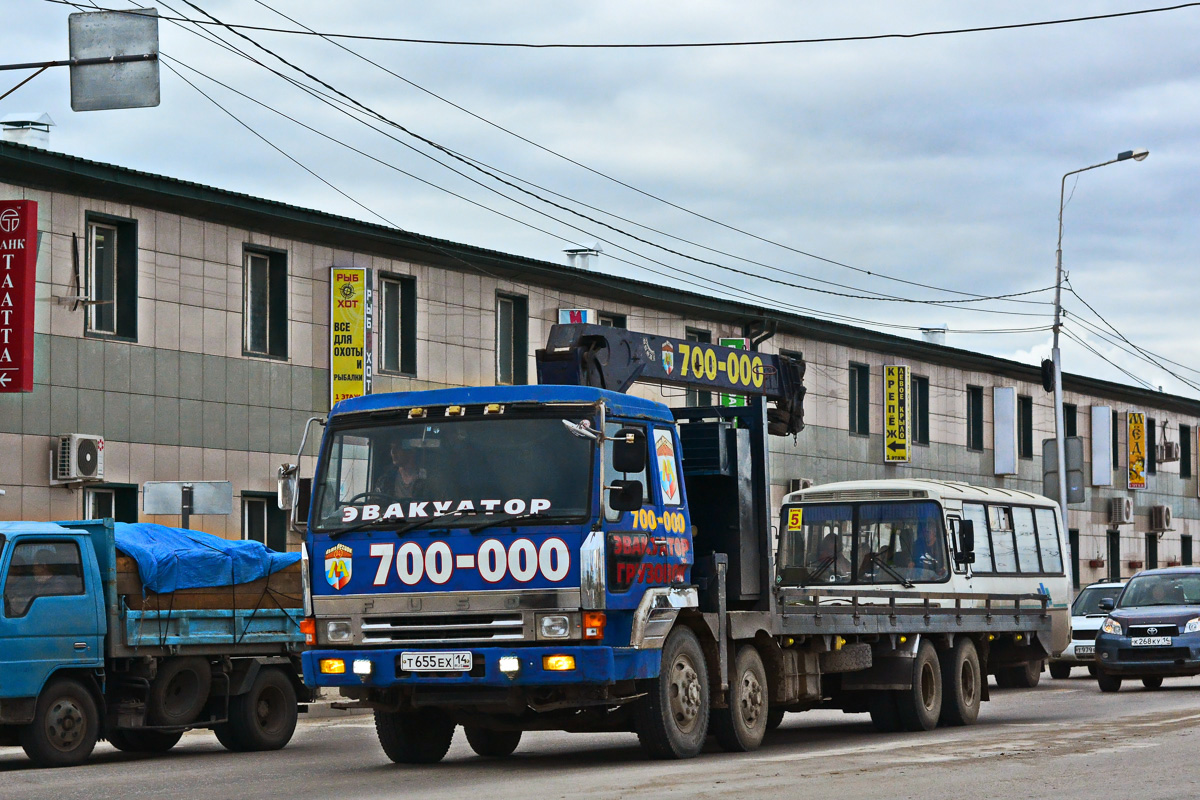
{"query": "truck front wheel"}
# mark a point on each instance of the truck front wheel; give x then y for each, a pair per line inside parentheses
(138, 741)
(961, 684)
(414, 737)
(65, 726)
(491, 743)
(920, 706)
(672, 719)
(741, 727)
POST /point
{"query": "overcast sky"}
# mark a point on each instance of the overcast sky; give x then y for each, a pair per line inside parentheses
(935, 160)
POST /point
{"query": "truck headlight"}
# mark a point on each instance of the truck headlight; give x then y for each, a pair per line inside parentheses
(554, 626)
(1192, 626)
(363, 666)
(338, 631)
(510, 666)
(1110, 625)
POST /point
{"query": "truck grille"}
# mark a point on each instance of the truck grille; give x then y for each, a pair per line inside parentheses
(443, 629)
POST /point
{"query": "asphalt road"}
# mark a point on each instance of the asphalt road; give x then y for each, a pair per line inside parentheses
(1062, 740)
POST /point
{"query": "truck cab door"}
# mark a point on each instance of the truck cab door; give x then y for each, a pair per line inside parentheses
(49, 615)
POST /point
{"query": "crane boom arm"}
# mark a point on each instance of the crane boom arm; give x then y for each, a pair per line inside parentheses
(615, 358)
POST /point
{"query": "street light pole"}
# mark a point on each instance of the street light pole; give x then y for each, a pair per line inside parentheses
(1060, 439)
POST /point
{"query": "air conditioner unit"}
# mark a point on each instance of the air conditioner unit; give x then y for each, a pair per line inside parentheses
(78, 457)
(1120, 511)
(1160, 518)
(1167, 451)
(796, 484)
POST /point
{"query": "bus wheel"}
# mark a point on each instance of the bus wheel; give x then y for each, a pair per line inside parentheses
(672, 719)
(490, 743)
(921, 705)
(417, 737)
(65, 726)
(961, 682)
(741, 727)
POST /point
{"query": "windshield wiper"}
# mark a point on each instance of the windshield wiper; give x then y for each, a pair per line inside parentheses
(822, 565)
(501, 520)
(877, 561)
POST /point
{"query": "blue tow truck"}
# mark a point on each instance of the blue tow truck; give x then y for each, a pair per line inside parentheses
(87, 652)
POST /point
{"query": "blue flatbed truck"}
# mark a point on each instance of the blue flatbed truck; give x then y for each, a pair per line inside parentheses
(566, 556)
(86, 653)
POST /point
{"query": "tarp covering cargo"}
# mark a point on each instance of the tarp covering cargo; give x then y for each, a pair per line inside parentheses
(169, 559)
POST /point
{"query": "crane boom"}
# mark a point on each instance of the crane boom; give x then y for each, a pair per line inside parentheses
(615, 358)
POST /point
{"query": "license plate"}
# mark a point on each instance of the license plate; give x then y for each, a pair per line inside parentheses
(1085, 650)
(1151, 641)
(436, 662)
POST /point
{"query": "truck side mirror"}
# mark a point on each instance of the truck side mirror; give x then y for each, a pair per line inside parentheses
(1107, 604)
(629, 452)
(625, 495)
(286, 480)
(966, 543)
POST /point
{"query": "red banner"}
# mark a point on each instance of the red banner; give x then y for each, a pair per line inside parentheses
(18, 276)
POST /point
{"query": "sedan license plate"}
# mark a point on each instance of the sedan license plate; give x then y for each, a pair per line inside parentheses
(436, 662)
(1085, 650)
(1151, 641)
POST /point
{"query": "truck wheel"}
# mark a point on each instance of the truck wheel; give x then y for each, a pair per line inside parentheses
(136, 741)
(491, 743)
(884, 714)
(741, 727)
(65, 726)
(1152, 683)
(921, 705)
(1005, 679)
(672, 719)
(1027, 675)
(1108, 683)
(775, 717)
(1060, 671)
(263, 718)
(180, 690)
(416, 737)
(961, 682)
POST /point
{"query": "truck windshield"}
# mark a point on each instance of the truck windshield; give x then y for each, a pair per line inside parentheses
(453, 472)
(863, 543)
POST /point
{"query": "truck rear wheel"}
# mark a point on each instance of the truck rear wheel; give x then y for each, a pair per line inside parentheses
(741, 727)
(775, 717)
(138, 741)
(920, 706)
(1027, 675)
(65, 727)
(672, 719)
(492, 743)
(414, 737)
(961, 684)
(179, 690)
(263, 718)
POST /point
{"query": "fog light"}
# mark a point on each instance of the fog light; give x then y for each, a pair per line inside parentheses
(363, 666)
(554, 626)
(510, 665)
(333, 666)
(593, 624)
(558, 663)
(337, 631)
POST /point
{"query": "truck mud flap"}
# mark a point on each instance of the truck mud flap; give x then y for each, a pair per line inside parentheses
(887, 672)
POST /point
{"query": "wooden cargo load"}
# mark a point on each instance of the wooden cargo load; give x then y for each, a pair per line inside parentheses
(281, 589)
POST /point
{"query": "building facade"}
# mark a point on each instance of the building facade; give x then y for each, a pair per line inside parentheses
(190, 328)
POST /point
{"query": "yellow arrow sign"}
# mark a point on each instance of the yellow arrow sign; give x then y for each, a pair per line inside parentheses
(896, 431)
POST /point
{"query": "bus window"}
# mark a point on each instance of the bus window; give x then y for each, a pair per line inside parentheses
(983, 546)
(1027, 544)
(1048, 540)
(1003, 549)
(901, 541)
(819, 550)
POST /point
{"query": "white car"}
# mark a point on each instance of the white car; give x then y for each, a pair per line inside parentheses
(1086, 617)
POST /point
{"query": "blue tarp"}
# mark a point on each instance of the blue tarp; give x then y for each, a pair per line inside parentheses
(175, 558)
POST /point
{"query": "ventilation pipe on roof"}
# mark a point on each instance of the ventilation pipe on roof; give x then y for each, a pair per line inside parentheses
(26, 128)
(581, 256)
(935, 334)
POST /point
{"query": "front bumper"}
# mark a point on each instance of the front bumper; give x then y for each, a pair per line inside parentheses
(594, 664)
(1072, 656)
(1116, 655)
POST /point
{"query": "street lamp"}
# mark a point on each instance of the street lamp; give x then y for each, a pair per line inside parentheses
(1060, 440)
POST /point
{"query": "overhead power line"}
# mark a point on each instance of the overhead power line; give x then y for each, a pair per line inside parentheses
(1104, 358)
(678, 45)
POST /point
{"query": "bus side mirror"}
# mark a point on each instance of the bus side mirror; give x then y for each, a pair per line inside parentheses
(625, 495)
(629, 452)
(1107, 604)
(966, 543)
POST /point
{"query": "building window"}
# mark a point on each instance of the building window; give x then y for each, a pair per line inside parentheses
(265, 304)
(398, 325)
(112, 277)
(1070, 420)
(695, 397)
(1151, 447)
(860, 398)
(612, 320)
(1151, 551)
(1185, 550)
(975, 417)
(1073, 539)
(1024, 426)
(1116, 442)
(920, 410)
(1114, 555)
(119, 503)
(512, 339)
(1185, 450)
(262, 521)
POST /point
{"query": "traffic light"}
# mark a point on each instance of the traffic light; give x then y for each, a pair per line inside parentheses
(1048, 375)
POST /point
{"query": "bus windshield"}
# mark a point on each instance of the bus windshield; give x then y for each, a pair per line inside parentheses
(871, 543)
(457, 472)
